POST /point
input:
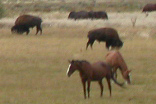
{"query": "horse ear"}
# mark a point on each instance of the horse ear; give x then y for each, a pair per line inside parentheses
(129, 71)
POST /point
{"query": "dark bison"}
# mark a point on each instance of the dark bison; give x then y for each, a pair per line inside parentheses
(88, 15)
(108, 35)
(72, 15)
(98, 15)
(24, 22)
(149, 8)
(78, 15)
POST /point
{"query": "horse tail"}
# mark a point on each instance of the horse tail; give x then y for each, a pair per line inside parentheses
(115, 81)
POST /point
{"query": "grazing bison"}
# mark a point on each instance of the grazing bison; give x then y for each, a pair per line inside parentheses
(115, 59)
(149, 8)
(78, 15)
(72, 15)
(87, 15)
(98, 15)
(108, 35)
(24, 22)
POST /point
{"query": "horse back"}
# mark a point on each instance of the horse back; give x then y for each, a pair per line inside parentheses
(115, 59)
(100, 69)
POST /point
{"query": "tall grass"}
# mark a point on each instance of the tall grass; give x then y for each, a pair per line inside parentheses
(2, 11)
(49, 6)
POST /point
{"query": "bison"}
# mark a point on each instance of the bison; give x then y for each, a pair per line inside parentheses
(78, 15)
(24, 22)
(72, 15)
(149, 8)
(98, 15)
(88, 15)
(108, 35)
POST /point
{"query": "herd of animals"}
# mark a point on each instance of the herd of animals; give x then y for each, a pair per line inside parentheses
(90, 71)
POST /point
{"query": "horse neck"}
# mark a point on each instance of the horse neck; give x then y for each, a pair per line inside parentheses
(84, 69)
(123, 66)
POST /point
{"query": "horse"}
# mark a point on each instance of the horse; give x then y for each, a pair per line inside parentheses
(92, 72)
(115, 59)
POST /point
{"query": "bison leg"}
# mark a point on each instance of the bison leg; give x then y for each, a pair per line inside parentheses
(107, 45)
(40, 31)
(38, 28)
(90, 42)
(27, 32)
(20, 31)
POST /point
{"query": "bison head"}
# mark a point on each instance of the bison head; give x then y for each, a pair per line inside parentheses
(18, 29)
(119, 43)
(14, 29)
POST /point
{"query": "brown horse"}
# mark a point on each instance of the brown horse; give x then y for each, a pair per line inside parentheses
(115, 59)
(92, 72)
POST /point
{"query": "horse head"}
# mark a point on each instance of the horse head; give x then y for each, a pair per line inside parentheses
(74, 65)
(127, 76)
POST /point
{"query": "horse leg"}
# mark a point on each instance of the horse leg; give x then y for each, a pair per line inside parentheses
(109, 86)
(114, 72)
(88, 88)
(101, 86)
(87, 45)
(84, 87)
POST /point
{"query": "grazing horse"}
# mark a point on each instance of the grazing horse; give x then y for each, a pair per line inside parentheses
(92, 72)
(115, 59)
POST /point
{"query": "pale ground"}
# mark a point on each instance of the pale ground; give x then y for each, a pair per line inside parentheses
(115, 19)
(144, 24)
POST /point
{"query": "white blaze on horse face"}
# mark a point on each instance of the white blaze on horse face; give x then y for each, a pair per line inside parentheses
(68, 69)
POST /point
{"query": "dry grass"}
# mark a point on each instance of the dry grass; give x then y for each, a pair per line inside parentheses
(144, 26)
(56, 19)
(14, 7)
(33, 68)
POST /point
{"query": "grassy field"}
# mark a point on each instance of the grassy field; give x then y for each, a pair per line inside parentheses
(33, 68)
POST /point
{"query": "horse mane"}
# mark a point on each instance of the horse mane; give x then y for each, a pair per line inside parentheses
(84, 61)
(81, 61)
